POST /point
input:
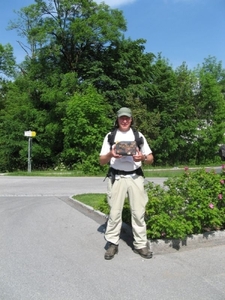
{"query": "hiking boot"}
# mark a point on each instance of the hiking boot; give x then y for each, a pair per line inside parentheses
(144, 252)
(111, 251)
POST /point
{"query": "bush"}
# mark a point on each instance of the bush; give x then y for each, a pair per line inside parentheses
(190, 204)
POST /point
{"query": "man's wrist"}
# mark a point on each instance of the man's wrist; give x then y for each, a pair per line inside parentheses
(145, 157)
(110, 155)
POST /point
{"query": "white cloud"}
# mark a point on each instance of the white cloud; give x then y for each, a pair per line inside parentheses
(115, 3)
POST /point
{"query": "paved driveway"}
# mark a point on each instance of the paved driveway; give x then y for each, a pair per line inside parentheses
(54, 186)
(51, 251)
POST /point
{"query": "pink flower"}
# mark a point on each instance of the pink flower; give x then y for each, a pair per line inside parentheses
(185, 168)
(211, 205)
(222, 181)
(220, 196)
(223, 166)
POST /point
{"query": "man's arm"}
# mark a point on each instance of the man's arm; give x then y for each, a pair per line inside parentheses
(104, 159)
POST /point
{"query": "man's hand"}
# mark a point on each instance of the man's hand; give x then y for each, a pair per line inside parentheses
(138, 156)
(104, 159)
(113, 152)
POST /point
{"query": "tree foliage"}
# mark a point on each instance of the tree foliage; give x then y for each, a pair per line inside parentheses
(79, 69)
(84, 126)
(7, 61)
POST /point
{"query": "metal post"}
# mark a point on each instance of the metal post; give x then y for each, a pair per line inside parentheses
(29, 154)
(29, 134)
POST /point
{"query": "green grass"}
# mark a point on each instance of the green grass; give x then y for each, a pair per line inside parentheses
(90, 199)
(153, 172)
(149, 171)
(51, 173)
(163, 173)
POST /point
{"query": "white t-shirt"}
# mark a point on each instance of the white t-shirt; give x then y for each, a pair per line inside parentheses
(125, 163)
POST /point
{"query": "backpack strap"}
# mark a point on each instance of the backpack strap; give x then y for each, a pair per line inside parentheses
(139, 140)
(111, 137)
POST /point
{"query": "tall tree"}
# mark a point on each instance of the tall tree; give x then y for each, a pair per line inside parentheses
(164, 101)
(210, 112)
(87, 39)
(212, 66)
(69, 33)
(126, 69)
(84, 126)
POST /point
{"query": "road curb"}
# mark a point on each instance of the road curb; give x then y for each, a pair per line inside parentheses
(207, 239)
(158, 246)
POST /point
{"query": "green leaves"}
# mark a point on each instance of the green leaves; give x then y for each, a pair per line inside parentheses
(84, 128)
(74, 45)
(190, 204)
(7, 60)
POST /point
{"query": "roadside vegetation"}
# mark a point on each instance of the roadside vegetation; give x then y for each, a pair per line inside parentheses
(189, 204)
(78, 70)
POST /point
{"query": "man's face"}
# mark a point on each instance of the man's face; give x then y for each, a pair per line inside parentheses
(124, 123)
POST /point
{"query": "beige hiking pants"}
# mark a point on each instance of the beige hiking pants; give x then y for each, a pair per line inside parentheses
(138, 198)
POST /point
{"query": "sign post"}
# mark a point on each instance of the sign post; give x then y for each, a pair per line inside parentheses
(30, 135)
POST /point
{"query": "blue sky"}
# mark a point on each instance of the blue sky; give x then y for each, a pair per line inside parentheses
(182, 30)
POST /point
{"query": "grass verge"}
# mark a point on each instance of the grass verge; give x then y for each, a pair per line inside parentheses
(148, 171)
(90, 199)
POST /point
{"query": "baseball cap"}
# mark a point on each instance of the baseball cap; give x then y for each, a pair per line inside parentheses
(124, 111)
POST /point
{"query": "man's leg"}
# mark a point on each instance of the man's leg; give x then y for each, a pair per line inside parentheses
(138, 199)
(116, 196)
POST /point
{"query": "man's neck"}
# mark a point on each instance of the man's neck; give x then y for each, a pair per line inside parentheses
(123, 130)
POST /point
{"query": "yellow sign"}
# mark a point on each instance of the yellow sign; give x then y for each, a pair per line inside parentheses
(30, 133)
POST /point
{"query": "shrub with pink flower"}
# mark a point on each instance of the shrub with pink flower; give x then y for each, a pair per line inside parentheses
(186, 204)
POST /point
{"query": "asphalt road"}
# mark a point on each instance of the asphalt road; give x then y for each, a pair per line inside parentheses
(54, 186)
(51, 251)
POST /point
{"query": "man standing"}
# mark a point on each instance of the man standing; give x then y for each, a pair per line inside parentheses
(126, 177)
